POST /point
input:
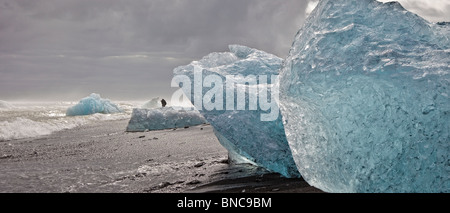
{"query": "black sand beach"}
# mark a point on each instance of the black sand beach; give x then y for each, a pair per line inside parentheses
(103, 158)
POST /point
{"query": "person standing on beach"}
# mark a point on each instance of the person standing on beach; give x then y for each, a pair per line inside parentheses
(164, 103)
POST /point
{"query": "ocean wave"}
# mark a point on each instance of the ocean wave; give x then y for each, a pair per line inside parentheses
(23, 127)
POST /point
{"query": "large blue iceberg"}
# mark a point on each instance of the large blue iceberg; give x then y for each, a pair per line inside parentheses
(93, 104)
(242, 132)
(364, 95)
(163, 118)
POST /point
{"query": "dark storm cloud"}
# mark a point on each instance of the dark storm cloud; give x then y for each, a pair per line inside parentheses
(66, 49)
(102, 27)
(127, 48)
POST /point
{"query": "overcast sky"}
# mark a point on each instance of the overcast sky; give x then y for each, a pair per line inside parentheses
(122, 49)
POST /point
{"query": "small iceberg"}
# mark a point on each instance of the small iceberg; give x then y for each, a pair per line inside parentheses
(152, 104)
(163, 118)
(5, 105)
(93, 104)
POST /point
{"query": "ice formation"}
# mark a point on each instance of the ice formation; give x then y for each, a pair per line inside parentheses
(163, 118)
(93, 104)
(5, 105)
(364, 95)
(152, 104)
(242, 132)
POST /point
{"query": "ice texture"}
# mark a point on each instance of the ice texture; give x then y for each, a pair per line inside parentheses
(364, 95)
(93, 104)
(241, 132)
(163, 118)
(152, 104)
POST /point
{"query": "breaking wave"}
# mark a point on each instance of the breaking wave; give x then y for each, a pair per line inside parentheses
(27, 120)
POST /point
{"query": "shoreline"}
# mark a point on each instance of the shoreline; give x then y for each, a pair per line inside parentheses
(265, 183)
(103, 158)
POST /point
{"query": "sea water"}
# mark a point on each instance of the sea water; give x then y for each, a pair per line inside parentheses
(32, 119)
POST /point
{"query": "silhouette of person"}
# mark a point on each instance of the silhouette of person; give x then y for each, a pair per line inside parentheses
(164, 103)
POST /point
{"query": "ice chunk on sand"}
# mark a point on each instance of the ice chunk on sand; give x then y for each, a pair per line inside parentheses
(365, 99)
(152, 104)
(93, 104)
(241, 131)
(163, 118)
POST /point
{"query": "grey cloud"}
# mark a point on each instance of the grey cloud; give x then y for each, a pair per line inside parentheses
(431, 10)
(433, 14)
(101, 27)
(65, 49)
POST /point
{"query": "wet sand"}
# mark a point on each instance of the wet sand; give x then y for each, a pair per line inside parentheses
(103, 158)
(265, 183)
